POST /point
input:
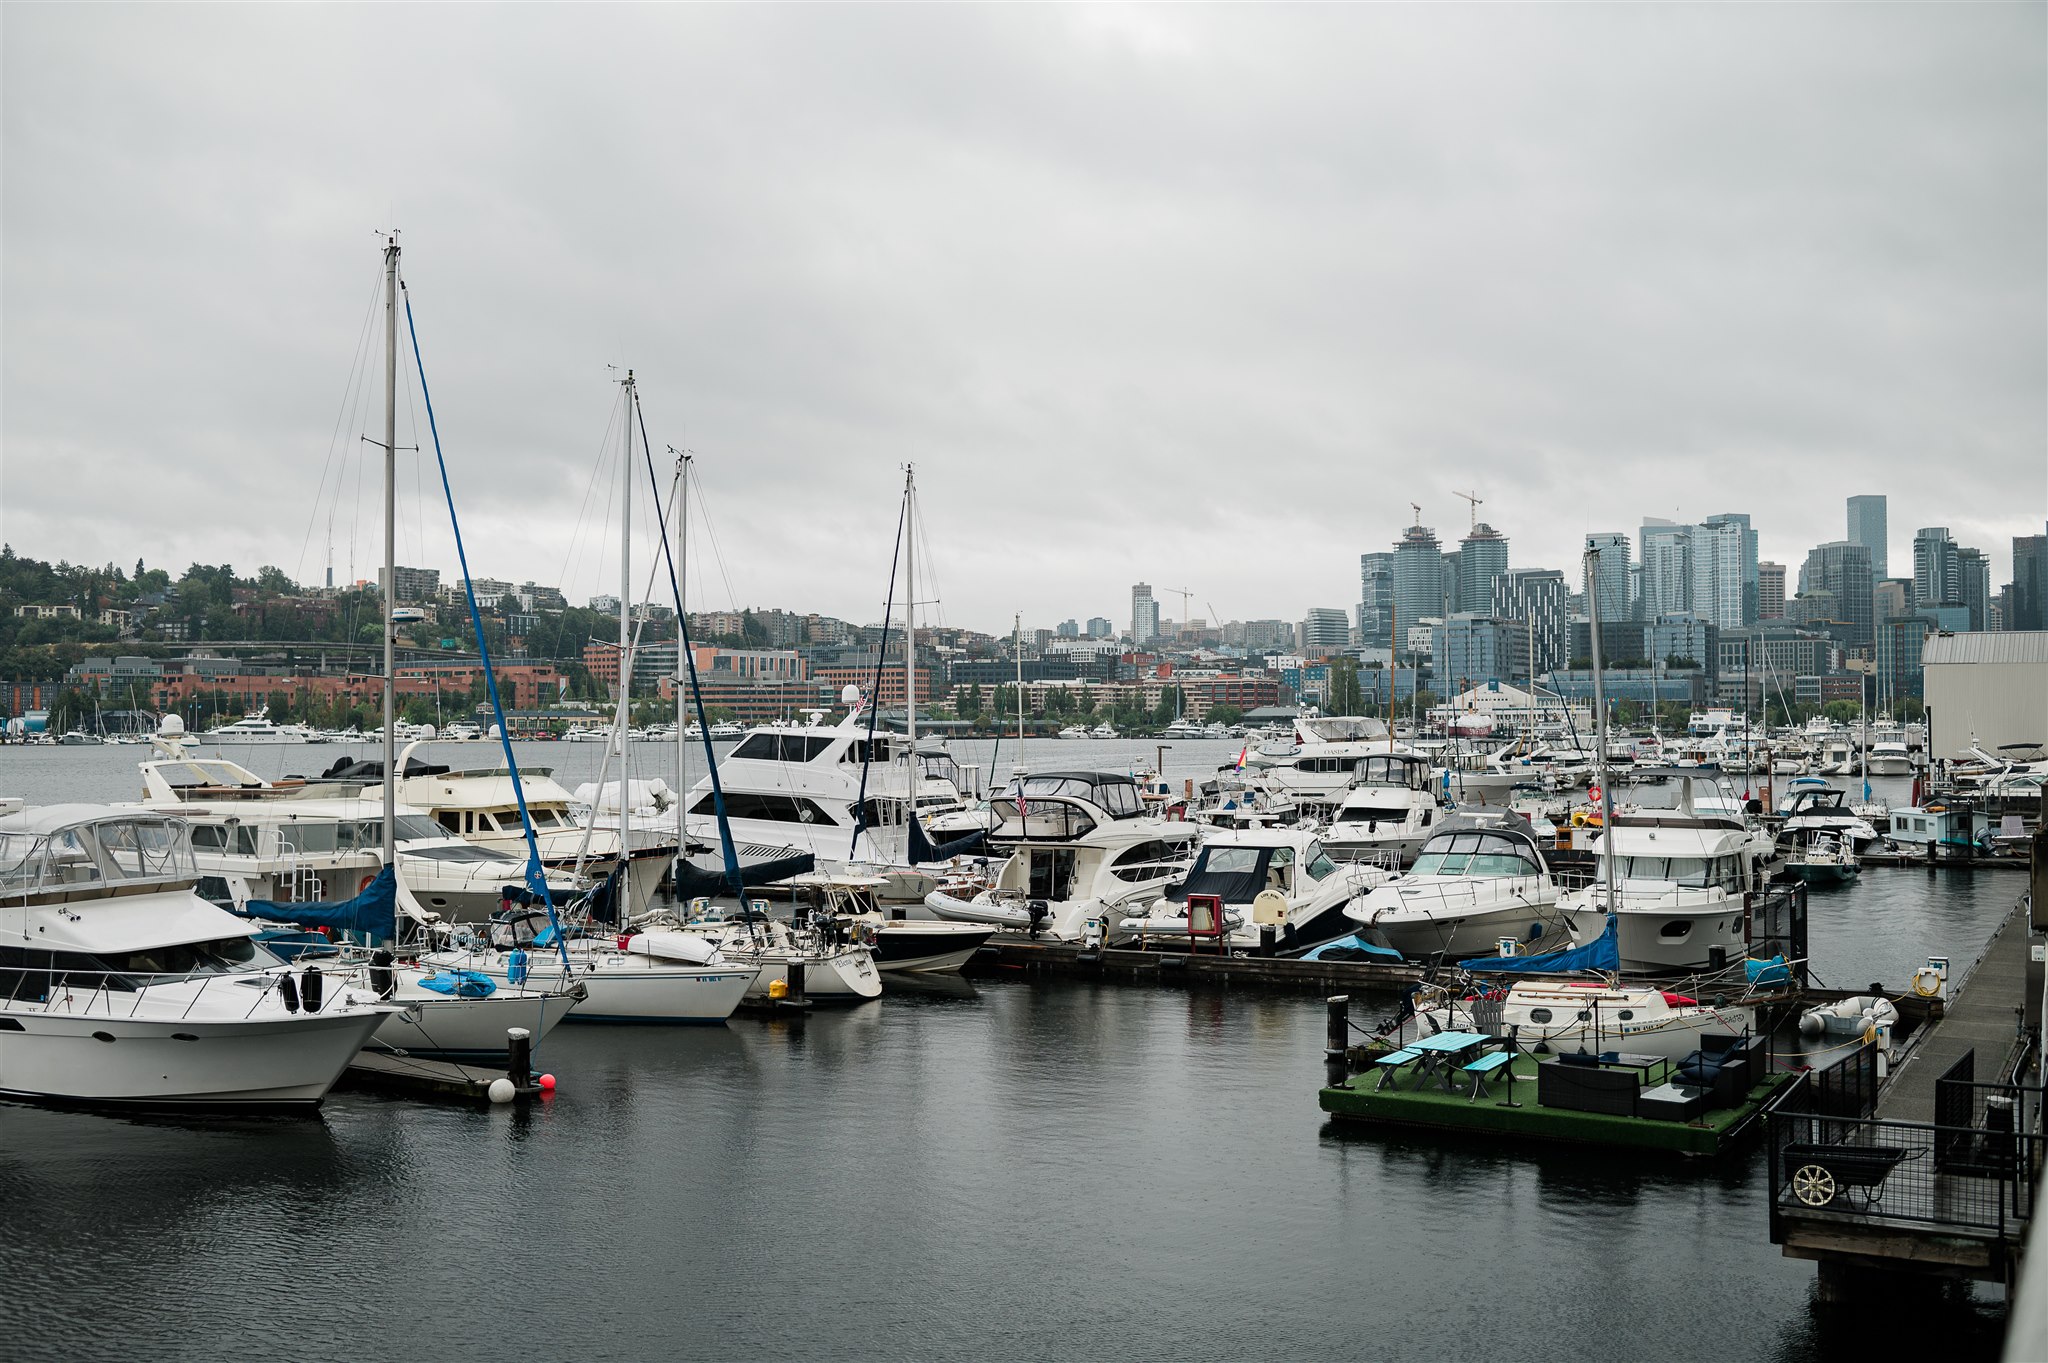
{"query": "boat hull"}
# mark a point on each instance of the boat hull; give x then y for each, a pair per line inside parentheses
(470, 1028)
(261, 1063)
(927, 948)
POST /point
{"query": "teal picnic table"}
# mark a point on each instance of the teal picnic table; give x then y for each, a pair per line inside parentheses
(1444, 1053)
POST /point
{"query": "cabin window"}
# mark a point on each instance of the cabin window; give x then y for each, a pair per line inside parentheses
(451, 820)
(769, 808)
(1539, 1015)
(1119, 799)
(773, 747)
(1149, 860)
(1675, 929)
(209, 837)
(1626, 1014)
(1585, 1015)
(1320, 867)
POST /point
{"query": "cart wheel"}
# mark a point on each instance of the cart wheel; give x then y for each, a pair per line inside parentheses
(1813, 1185)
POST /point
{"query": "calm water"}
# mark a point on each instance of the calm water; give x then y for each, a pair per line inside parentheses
(1033, 1171)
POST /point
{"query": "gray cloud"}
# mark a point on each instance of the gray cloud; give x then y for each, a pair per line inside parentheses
(1202, 296)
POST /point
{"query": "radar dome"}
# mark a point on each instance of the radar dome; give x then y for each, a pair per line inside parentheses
(171, 727)
(849, 694)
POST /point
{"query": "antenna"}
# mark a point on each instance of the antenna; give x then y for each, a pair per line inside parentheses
(1477, 501)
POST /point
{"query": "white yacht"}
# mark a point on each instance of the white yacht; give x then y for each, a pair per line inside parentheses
(1682, 869)
(254, 729)
(1888, 757)
(837, 969)
(1388, 813)
(1074, 731)
(900, 944)
(1553, 1016)
(120, 986)
(1480, 877)
(1081, 851)
(1813, 807)
(1277, 877)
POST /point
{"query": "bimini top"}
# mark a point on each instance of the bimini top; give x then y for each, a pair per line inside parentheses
(1112, 792)
(90, 849)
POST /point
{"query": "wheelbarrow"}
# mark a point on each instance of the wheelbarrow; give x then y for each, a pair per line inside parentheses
(1818, 1174)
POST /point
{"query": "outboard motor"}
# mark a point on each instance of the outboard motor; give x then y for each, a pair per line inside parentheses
(383, 980)
(311, 988)
(1039, 911)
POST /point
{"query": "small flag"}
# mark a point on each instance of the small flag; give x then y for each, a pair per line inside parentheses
(1241, 752)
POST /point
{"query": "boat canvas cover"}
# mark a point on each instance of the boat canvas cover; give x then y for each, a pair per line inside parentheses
(1238, 885)
(373, 912)
(1602, 953)
(758, 866)
(923, 851)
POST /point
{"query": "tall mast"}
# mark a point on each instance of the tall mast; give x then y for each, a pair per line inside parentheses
(625, 611)
(1017, 652)
(682, 663)
(910, 621)
(390, 549)
(1600, 729)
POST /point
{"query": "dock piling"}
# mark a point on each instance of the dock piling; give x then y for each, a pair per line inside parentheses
(519, 1056)
(1336, 1041)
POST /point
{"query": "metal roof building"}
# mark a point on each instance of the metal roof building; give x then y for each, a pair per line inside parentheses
(1985, 690)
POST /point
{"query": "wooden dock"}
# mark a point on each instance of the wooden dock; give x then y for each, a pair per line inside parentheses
(1982, 1015)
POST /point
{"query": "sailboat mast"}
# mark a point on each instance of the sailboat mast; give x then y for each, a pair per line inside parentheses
(1600, 727)
(682, 663)
(390, 550)
(625, 611)
(1017, 652)
(910, 620)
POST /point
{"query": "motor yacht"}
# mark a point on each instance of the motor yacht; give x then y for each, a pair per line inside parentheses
(255, 729)
(120, 986)
(1683, 866)
(1811, 807)
(1388, 812)
(1480, 877)
(1248, 879)
(1081, 852)
(1888, 757)
(900, 944)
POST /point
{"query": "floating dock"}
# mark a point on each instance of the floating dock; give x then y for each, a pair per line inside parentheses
(1019, 955)
(1511, 1111)
(414, 1076)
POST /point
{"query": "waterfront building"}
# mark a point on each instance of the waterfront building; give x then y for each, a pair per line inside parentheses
(1538, 600)
(2029, 595)
(1482, 558)
(1144, 615)
(1770, 593)
(1418, 576)
(1613, 576)
(1637, 685)
(1844, 569)
(1983, 689)
(1867, 528)
(1683, 635)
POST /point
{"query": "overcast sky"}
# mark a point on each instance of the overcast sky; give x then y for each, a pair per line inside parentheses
(1204, 297)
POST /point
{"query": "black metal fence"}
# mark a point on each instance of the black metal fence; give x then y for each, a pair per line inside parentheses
(1972, 1173)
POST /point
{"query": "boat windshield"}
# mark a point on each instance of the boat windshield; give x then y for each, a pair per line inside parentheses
(1475, 854)
(102, 852)
(1695, 873)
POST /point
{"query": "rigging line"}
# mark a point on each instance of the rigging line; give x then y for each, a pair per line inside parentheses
(732, 601)
(536, 875)
(356, 363)
(419, 511)
(732, 862)
(860, 811)
(553, 638)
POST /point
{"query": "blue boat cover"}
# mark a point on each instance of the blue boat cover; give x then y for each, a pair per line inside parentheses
(1352, 948)
(462, 984)
(373, 912)
(1773, 971)
(923, 851)
(1602, 953)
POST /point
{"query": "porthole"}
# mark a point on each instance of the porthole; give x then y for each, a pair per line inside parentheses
(1539, 1015)
(1627, 1014)
(102, 1036)
(1585, 1015)
(183, 1036)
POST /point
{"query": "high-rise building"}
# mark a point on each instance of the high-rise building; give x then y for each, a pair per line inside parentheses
(1723, 580)
(1867, 528)
(1376, 599)
(415, 584)
(1844, 569)
(1325, 630)
(1612, 579)
(1937, 576)
(1069, 629)
(1893, 596)
(1537, 599)
(1144, 615)
(1973, 586)
(1482, 557)
(1418, 576)
(1745, 551)
(1100, 628)
(2029, 595)
(1666, 557)
(1770, 591)
(1469, 650)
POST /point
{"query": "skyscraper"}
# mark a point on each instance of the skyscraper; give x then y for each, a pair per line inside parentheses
(1538, 600)
(1144, 615)
(2029, 582)
(1844, 569)
(1722, 586)
(1973, 586)
(1482, 557)
(1325, 630)
(1867, 528)
(1937, 575)
(1375, 598)
(1745, 550)
(1418, 577)
(1770, 593)
(1667, 569)
(1613, 578)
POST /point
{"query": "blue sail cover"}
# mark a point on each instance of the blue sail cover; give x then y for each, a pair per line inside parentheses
(923, 851)
(1602, 953)
(374, 912)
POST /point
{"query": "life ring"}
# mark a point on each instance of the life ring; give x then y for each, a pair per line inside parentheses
(1926, 982)
(366, 882)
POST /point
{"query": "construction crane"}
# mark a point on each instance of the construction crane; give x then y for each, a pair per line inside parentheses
(1416, 507)
(1185, 594)
(1477, 501)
